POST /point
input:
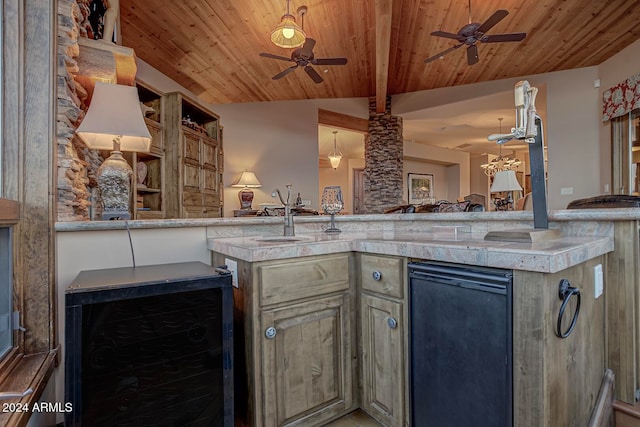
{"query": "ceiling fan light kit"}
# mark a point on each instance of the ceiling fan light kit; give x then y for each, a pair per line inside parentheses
(288, 34)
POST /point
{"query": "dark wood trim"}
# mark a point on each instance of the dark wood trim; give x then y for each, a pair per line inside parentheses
(9, 211)
(30, 371)
(342, 121)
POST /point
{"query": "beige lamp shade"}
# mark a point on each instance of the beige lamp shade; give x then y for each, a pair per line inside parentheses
(288, 34)
(115, 112)
(247, 179)
(505, 181)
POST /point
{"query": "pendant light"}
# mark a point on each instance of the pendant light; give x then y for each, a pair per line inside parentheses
(336, 155)
(288, 34)
(500, 163)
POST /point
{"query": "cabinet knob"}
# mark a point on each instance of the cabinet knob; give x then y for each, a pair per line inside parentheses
(377, 276)
(393, 323)
(270, 332)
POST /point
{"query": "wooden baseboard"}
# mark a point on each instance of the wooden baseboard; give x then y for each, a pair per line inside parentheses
(627, 415)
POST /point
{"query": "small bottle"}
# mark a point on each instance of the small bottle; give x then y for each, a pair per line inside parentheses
(299, 200)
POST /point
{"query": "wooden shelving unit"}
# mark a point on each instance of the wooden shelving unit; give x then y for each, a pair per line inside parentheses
(148, 193)
(193, 159)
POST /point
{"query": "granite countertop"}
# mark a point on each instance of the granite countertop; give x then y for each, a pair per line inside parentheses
(450, 245)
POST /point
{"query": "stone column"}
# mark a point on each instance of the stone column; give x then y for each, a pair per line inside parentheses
(383, 159)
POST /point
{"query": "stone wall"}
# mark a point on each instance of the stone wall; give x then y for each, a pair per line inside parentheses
(76, 164)
(383, 159)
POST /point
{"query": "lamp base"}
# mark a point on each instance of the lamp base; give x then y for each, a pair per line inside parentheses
(114, 183)
(246, 198)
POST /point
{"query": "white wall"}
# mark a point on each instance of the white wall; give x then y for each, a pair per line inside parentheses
(571, 125)
(285, 133)
(455, 182)
(279, 142)
(276, 140)
(92, 250)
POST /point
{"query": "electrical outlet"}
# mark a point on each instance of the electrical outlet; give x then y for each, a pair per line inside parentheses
(306, 203)
(232, 266)
(598, 280)
(565, 191)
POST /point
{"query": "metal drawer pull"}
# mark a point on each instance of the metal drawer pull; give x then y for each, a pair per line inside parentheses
(377, 276)
(270, 332)
(14, 394)
(393, 323)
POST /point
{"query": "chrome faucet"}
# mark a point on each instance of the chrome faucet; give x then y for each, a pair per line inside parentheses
(288, 216)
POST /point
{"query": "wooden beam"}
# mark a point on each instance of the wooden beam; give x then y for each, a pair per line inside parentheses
(342, 121)
(383, 45)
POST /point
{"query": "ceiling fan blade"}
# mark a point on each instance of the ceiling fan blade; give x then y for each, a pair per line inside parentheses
(330, 61)
(498, 16)
(313, 74)
(448, 35)
(283, 73)
(499, 38)
(472, 54)
(281, 58)
(441, 54)
(307, 48)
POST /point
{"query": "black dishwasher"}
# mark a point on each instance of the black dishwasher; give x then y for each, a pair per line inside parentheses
(461, 345)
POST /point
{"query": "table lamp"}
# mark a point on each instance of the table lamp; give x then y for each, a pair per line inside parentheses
(114, 122)
(505, 181)
(246, 181)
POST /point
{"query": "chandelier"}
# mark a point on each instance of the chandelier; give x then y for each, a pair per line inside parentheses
(500, 163)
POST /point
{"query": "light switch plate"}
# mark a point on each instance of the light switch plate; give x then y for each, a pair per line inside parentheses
(232, 266)
(598, 280)
(565, 191)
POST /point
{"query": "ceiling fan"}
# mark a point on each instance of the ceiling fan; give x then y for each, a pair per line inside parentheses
(473, 32)
(303, 57)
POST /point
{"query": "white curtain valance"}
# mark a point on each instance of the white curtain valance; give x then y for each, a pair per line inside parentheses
(622, 98)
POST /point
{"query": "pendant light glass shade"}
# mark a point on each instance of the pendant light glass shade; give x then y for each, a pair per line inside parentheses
(336, 155)
(288, 34)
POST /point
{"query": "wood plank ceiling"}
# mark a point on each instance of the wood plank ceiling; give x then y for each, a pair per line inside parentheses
(212, 47)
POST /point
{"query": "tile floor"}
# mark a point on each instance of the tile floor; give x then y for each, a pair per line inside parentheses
(355, 419)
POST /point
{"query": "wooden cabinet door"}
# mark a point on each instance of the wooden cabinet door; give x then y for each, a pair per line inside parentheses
(383, 359)
(307, 365)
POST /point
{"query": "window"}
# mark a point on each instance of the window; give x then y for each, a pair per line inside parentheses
(6, 286)
(6, 259)
(625, 155)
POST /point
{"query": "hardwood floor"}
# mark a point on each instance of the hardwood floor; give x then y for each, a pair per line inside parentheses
(355, 419)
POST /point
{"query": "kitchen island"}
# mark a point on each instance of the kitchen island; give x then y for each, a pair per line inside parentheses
(104, 244)
(326, 325)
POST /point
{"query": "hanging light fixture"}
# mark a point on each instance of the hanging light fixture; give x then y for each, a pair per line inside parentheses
(288, 34)
(336, 155)
(500, 163)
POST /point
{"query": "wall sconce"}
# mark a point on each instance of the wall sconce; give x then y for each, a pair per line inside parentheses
(336, 155)
(288, 34)
(114, 122)
(246, 181)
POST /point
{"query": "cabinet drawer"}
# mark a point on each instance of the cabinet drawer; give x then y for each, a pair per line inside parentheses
(388, 271)
(294, 280)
